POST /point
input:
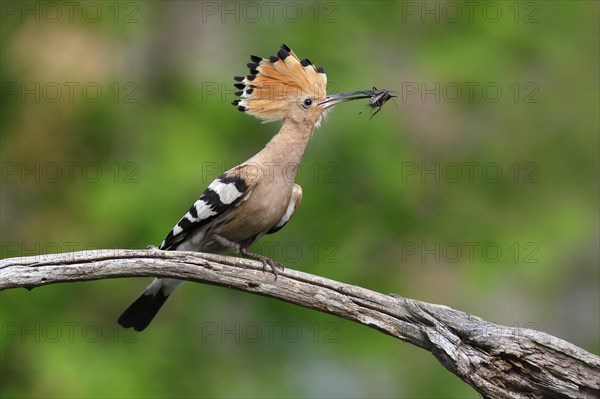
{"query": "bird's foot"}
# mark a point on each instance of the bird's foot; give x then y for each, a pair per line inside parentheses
(274, 265)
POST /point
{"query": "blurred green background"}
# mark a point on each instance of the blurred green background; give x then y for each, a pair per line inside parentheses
(477, 190)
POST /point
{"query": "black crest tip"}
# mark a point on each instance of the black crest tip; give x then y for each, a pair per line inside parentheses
(283, 54)
(256, 58)
(249, 91)
(286, 48)
(273, 58)
(305, 62)
(320, 70)
(238, 93)
(235, 102)
(239, 86)
(238, 78)
(241, 108)
(251, 77)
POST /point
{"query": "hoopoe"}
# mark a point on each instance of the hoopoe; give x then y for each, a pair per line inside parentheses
(259, 196)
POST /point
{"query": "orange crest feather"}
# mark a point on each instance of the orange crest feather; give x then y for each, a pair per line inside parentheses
(275, 81)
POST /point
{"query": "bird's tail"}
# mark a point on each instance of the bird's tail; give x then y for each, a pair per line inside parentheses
(141, 312)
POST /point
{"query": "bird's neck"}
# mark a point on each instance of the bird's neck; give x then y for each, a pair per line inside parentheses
(286, 148)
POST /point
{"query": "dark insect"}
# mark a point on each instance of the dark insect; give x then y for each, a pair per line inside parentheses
(378, 99)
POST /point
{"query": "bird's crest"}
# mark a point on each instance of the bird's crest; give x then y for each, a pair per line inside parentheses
(276, 81)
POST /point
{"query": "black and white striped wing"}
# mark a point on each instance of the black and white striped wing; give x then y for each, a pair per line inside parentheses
(223, 194)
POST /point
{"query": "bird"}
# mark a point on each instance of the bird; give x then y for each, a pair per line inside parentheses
(256, 197)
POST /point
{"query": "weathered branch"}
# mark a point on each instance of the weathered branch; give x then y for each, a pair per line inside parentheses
(498, 361)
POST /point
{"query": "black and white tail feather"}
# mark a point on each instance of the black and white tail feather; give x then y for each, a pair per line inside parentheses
(189, 234)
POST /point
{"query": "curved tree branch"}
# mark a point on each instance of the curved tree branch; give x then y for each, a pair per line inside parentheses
(498, 361)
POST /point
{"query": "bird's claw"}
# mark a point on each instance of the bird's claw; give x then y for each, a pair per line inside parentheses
(274, 265)
(266, 262)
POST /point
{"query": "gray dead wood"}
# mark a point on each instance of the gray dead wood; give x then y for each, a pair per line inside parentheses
(497, 361)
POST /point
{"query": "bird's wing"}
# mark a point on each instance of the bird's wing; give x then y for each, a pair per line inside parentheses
(295, 200)
(222, 195)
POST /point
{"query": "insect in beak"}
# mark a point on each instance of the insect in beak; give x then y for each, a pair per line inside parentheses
(377, 98)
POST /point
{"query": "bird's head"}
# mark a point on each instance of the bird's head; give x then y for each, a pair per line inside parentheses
(285, 87)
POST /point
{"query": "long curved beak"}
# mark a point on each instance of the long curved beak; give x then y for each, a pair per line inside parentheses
(339, 98)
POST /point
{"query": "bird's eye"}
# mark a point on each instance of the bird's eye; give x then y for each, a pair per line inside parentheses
(307, 103)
